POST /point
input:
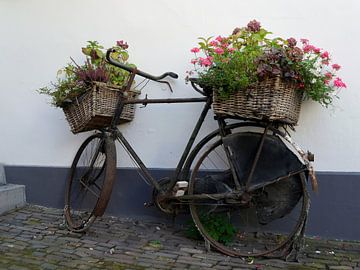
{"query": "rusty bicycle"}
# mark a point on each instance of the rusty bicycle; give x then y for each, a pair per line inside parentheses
(248, 172)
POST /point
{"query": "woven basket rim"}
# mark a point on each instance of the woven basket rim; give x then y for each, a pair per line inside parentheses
(90, 88)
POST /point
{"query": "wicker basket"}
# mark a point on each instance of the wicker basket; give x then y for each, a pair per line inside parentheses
(96, 108)
(272, 99)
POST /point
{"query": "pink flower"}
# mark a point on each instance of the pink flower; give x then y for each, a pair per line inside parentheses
(213, 43)
(231, 50)
(336, 66)
(219, 38)
(316, 50)
(339, 83)
(326, 82)
(219, 51)
(308, 48)
(325, 55)
(325, 62)
(304, 41)
(194, 61)
(195, 50)
(205, 62)
(328, 75)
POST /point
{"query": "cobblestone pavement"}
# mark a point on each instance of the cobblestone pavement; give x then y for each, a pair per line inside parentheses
(33, 238)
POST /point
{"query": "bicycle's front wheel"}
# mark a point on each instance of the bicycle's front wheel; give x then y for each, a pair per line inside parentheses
(90, 182)
(261, 222)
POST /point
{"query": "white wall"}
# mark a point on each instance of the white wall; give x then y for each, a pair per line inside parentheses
(38, 36)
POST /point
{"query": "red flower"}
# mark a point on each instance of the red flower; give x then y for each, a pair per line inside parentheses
(219, 51)
(205, 62)
(339, 83)
(122, 44)
(325, 55)
(308, 48)
(213, 43)
(195, 50)
(219, 38)
(304, 41)
(291, 42)
(254, 26)
(336, 66)
(328, 75)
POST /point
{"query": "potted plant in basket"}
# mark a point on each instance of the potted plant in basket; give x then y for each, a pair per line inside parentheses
(88, 93)
(253, 76)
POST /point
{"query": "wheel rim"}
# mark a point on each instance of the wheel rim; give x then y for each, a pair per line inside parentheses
(244, 221)
(85, 183)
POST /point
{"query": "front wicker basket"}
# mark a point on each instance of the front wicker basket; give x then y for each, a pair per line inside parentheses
(272, 100)
(96, 108)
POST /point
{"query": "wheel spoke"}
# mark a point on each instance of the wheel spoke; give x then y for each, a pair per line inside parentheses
(89, 189)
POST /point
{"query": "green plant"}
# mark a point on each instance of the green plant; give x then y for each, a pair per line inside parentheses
(240, 60)
(74, 80)
(217, 226)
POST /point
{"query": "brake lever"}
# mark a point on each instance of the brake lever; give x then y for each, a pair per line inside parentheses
(145, 103)
(168, 84)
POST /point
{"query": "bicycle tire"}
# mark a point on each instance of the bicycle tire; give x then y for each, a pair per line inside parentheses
(90, 182)
(243, 245)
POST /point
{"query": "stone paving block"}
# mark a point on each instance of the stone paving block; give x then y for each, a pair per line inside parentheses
(340, 268)
(191, 250)
(195, 263)
(222, 267)
(48, 266)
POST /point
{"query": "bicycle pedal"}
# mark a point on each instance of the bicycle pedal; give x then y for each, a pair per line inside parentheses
(181, 185)
(179, 193)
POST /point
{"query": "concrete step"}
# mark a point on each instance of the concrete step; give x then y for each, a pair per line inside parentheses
(11, 196)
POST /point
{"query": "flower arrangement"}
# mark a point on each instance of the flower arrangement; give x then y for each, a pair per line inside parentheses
(74, 80)
(247, 56)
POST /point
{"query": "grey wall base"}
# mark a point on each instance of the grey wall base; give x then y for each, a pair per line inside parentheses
(11, 195)
(334, 211)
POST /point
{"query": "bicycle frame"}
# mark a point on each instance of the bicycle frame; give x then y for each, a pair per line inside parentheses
(119, 136)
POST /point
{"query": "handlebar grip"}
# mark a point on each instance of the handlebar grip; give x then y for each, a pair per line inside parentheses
(173, 75)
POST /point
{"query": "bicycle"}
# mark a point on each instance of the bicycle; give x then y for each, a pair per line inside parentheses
(246, 173)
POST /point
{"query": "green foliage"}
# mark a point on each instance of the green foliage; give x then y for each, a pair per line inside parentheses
(74, 80)
(217, 226)
(228, 77)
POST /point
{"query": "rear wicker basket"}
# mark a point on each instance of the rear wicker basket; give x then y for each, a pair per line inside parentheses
(272, 99)
(95, 109)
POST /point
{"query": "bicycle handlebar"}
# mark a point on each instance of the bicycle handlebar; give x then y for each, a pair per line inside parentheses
(194, 82)
(138, 72)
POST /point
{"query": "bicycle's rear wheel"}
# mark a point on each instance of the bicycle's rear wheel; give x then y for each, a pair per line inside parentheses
(90, 182)
(263, 222)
